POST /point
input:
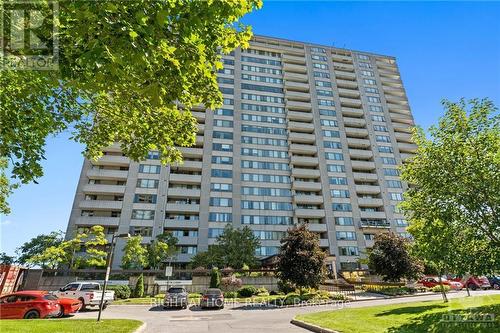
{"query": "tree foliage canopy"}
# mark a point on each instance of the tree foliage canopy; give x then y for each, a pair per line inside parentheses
(135, 255)
(38, 245)
(453, 205)
(124, 69)
(301, 261)
(234, 248)
(391, 258)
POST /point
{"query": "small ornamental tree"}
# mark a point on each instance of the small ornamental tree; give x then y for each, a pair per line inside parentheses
(134, 254)
(301, 260)
(390, 257)
(139, 287)
(214, 278)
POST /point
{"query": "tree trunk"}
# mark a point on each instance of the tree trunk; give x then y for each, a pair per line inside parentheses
(445, 298)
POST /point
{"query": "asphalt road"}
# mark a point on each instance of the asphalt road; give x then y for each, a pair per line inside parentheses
(240, 319)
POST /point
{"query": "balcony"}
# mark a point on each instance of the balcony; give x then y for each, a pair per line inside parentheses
(301, 127)
(176, 224)
(402, 127)
(188, 165)
(295, 105)
(198, 115)
(306, 186)
(305, 173)
(309, 199)
(343, 66)
(304, 160)
(294, 58)
(187, 240)
(370, 202)
(363, 177)
(296, 77)
(350, 102)
(300, 116)
(302, 137)
(310, 213)
(348, 92)
(354, 122)
(375, 224)
(186, 179)
(112, 160)
(97, 220)
(107, 174)
(103, 189)
(407, 147)
(173, 207)
(323, 242)
(363, 165)
(297, 96)
(354, 142)
(359, 153)
(289, 67)
(300, 86)
(356, 132)
(317, 227)
(345, 75)
(352, 112)
(100, 204)
(388, 79)
(368, 189)
(303, 149)
(341, 58)
(405, 156)
(403, 137)
(191, 152)
(184, 192)
(349, 84)
(201, 128)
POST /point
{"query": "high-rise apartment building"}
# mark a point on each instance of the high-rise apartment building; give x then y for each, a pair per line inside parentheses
(307, 134)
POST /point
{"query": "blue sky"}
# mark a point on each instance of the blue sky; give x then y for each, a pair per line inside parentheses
(444, 50)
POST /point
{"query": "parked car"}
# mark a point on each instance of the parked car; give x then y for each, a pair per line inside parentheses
(212, 298)
(176, 297)
(494, 281)
(33, 304)
(89, 293)
(474, 282)
(432, 281)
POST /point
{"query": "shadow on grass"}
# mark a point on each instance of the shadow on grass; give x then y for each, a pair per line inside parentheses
(483, 319)
(410, 310)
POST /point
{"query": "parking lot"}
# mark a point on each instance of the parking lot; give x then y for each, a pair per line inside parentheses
(238, 318)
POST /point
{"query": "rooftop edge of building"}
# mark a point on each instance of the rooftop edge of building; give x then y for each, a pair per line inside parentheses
(256, 37)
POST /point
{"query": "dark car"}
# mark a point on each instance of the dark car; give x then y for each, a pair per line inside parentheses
(495, 281)
(212, 298)
(176, 297)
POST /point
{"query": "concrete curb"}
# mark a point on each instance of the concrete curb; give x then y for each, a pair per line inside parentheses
(141, 328)
(311, 327)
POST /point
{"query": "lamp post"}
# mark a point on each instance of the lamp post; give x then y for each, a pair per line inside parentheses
(108, 269)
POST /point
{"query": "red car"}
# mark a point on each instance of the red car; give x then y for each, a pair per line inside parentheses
(474, 282)
(432, 281)
(32, 304)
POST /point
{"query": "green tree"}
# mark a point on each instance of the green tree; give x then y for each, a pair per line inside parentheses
(36, 246)
(95, 247)
(6, 259)
(215, 278)
(453, 205)
(391, 258)
(139, 287)
(300, 259)
(161, 249)
(208, 259)
(125, 67)
(135, 254)
(66, 253)
(5, 187)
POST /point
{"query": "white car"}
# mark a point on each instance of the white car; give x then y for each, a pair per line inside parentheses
(89, 293)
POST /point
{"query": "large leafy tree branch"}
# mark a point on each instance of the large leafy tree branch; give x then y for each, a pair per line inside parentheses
(128, 72)
(454, 201)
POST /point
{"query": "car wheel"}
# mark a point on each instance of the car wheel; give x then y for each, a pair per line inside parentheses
(83, 308)
(32, 314)
(60, 314)
(473, 287)
(496, 286)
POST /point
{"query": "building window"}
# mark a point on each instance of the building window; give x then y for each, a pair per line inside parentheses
(346, 235)
(264, 130)
(348, 251)
(325, 102)
(265, 205)
(389, 160)
(401, 223)
(222, 147)
(221, 202)
(325, 112)
(147, 183)
(369, 237)
(373, 99)
(145, 198)
(321, 75)
(146, 168)
(371, 90)
(382, 138)
(255, 177)
(396, 196)
(334, 156)
(223, 112)
(391, 172)
(394, 184)
(266, 220)
(262, 108)
(153, 155)
(261, 61)
(363, 57)
(222, 160)
(327, 122)
(265, 191)
(223, 123)
(370, 82)
(141, 231)
(187, 249)
(218, 187)
(342, 207)
(257, 87)
(265, 165)
(222, 135)
(332, 144)
(367, 73)
(335, 168)
(318, 49)
(139, 214)
(320, 66)
(331, 134)
(344, 221)
(338, 180)
(258, 69)
(378, 118)
(375, 108)
(263, 119)
(220, 217)
(222, 173)
(215, 232)
(340, 193)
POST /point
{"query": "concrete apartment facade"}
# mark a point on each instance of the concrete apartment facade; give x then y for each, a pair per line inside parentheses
(307, 133)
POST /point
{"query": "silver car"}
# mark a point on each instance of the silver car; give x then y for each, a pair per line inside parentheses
(176, 297)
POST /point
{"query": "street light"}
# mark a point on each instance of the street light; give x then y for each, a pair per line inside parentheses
(108, 269)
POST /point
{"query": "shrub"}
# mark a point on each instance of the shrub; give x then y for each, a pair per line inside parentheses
(121, 291)
(285, 287)
(338, 296)
(214, 278)
(139, 287)
(231, 294)
(437, 289)
(262, 292)
(231, 283)
(292, 298)
(247, 291)
(273, 292)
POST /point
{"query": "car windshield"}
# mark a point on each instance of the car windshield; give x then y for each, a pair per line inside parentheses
(175, 290)
(49, 297)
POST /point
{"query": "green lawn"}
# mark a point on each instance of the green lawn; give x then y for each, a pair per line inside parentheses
(422, 317)
(69, 326)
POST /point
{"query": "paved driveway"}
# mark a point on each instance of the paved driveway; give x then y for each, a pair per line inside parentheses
(240, 319)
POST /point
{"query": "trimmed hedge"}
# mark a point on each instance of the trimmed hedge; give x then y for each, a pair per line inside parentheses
(247, 291)
(121, 291)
